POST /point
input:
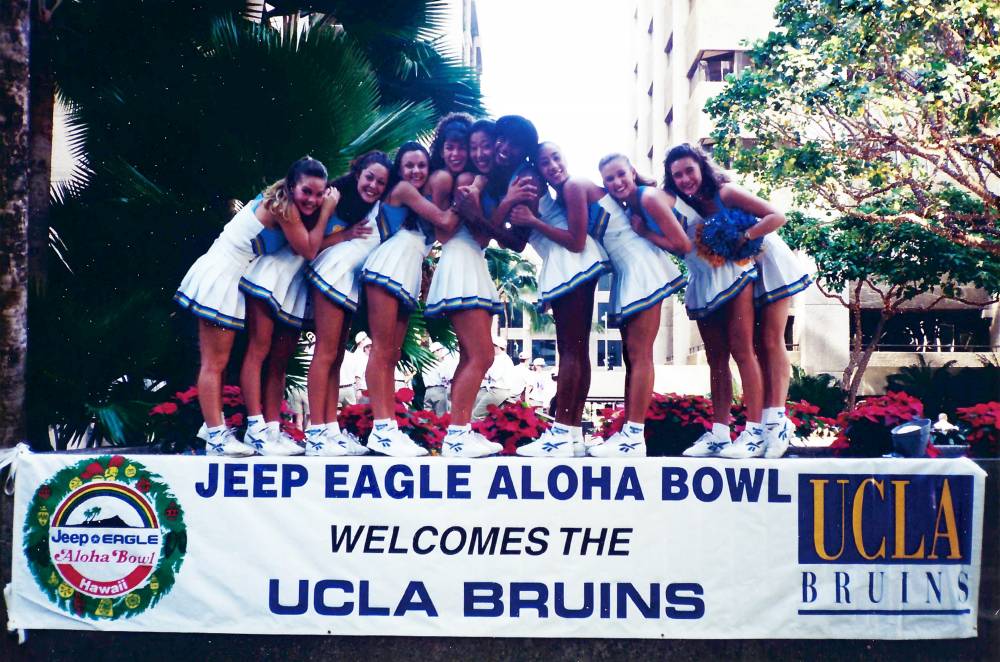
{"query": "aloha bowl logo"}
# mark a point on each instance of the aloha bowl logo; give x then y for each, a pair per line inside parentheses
(104, 538)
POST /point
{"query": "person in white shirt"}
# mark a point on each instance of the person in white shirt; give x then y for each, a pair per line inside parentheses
(437, 380)
(500, 383)
(524, 376)
(360, 361)
(541, 388)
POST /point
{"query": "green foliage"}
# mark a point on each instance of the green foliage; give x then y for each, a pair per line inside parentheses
(944, 388)
(903, 260)
(178, 109)
(848, 101)
(515, 277)
(821, 390)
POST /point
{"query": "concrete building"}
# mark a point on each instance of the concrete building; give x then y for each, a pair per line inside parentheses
(472, 54)
(683, 50)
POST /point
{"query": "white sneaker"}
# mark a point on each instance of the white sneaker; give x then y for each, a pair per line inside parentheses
(550, 444)
(287, 444)
(707, 445)
(777, 436)
(579, 448)
(202, 432)
(468, 444)
(396, 444)
(746, 445)
(351, 443)
(619, 445)
(225, 444)
(320, 444)
(256, 436)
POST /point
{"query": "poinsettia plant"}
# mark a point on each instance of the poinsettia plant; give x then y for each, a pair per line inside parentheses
(983, 436)
(175, 421)
(512, 424)
(865, 431)
(422, 425)
(673, 422)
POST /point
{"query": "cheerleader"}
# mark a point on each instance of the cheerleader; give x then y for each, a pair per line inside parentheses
(210, 289)
(571, 264)
(463, 290)
(644, 277)
(779, 276)
(392, 275)
(275, 289)
(334, 275)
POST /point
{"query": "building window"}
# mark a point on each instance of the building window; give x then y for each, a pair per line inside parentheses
(511, 318)
(934, 331)
(514, 349)
(544, 349)
(605, 282)
(603, 309)
(609, 353)
(717, 67)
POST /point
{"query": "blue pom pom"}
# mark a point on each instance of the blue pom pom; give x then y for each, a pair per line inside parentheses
(723, 232)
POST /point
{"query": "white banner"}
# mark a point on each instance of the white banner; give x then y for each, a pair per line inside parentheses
(657, 547)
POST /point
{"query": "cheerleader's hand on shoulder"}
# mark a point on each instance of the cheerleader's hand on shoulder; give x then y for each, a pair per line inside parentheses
(330, 200)
(522, 189)
(358, 230)
(638, 224)
(521, 215)
(467, 202)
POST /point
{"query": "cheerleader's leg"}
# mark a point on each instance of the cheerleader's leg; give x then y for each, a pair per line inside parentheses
(333, 390)
(715, 337)
(739, 324)
(475, 345)
(260, 328)
(769, 339)
(215, 344)
(387, 324)
(283, 343)
(329, 332)
(573, 313)
(640, 333)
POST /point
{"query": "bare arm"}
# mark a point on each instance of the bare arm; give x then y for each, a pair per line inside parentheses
(673, 238)
(522, 191)
(770, 218)
(444, 219)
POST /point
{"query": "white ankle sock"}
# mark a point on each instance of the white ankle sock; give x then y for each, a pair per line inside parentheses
(314, 429)
(631, 429)
(756, 429)
(561, 429)
(333, 428)
(577, 432)
(254, 421)
(383, 426)
(721, 430)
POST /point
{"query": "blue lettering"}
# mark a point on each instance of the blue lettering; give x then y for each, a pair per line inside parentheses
(773, 495)
(699, 484)
(415, 598)
(629, 486)
(274, 603)
(571, 482)
(319, 597)
(261, 481)
(367, 483)
(292, 475)
(562, 611)
(477, 604)
(674, 483)
(233, 478)
(334, 478)
(676, 597)
(364, 608)
(399, 489)
(808, 587)
(503, 484)
(211, 484)
(529, 595)
(425, 484)
(591, 482)
(745, 484)
(458, 477)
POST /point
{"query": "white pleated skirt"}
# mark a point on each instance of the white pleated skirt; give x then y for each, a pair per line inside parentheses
(462, 279)
(397, 266)
(563, 270)
(279, 280)
(336, 271)
(780, 272)
(211, 287)
(644, 275)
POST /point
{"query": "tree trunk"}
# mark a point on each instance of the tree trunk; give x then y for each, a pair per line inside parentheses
(41, 102)
(864, 358)
(14, 26)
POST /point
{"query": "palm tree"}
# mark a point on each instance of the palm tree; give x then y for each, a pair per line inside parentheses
(515, 277)
(188, 111)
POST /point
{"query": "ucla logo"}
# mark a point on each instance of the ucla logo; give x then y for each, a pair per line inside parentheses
(852, 518)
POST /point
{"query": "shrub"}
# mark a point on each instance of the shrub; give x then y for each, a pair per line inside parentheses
(865, 431)
(512, 424)
(423, 426)
(673, 422)
(821, 390)
(983, 436)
